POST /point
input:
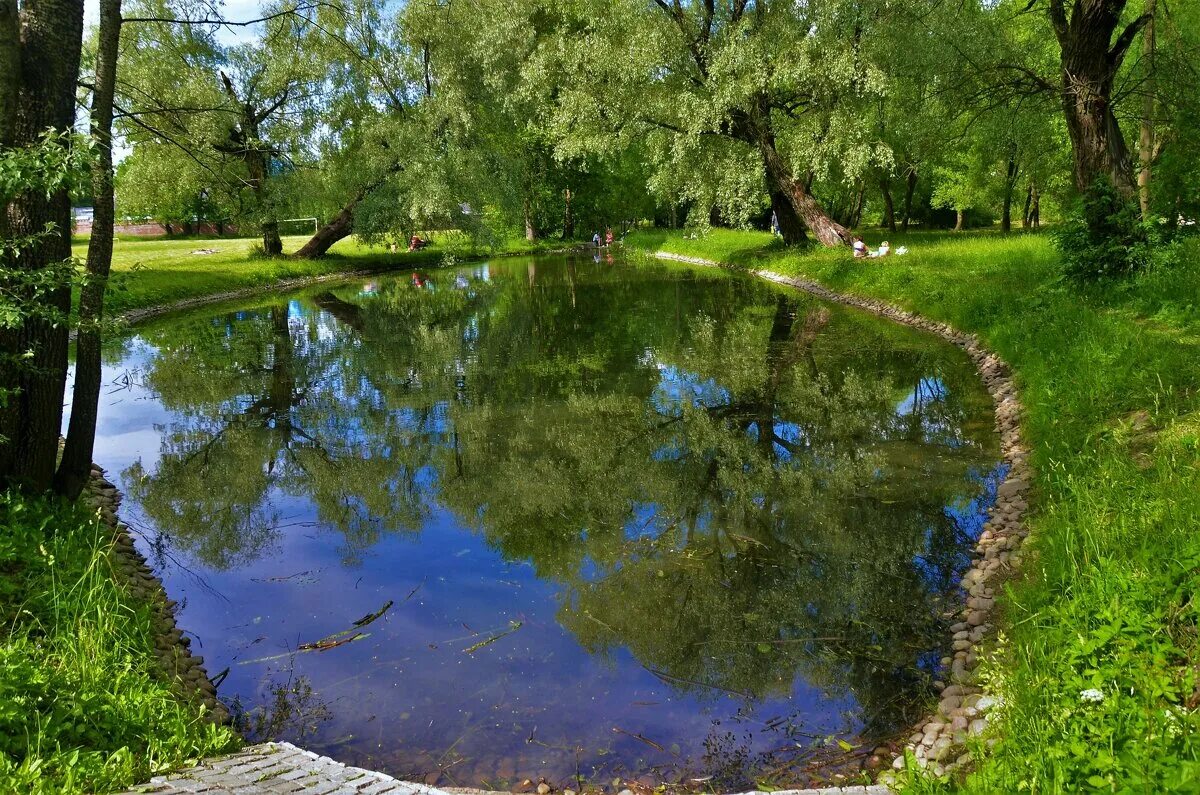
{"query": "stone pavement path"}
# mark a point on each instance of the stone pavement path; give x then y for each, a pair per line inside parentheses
(283, 768)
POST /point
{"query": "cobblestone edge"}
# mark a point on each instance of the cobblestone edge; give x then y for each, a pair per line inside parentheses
(183, 670)
(939, 741)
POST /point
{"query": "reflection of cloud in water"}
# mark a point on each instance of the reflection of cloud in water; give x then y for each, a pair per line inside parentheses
(678, 388)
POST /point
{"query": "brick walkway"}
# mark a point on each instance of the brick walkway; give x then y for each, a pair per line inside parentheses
(284, 768)
(280, 768)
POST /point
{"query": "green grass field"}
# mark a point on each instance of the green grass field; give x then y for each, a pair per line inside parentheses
(154, 271)
(1107, 598)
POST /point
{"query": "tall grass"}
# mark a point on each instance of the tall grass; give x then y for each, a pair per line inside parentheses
(1107, 597)
(82, 706)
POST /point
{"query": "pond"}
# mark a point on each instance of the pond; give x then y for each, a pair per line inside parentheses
(580, 518)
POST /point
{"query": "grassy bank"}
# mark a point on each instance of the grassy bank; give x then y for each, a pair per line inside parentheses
(154, 271)
(1107, 596)
(82, 709)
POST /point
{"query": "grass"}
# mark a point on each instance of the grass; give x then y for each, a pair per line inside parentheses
(155, 271)
(1107, 598)
(82, 708)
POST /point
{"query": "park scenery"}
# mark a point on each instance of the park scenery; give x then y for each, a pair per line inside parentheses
(599, 397)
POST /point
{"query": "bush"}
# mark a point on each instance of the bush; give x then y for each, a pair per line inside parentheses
(1105, 236)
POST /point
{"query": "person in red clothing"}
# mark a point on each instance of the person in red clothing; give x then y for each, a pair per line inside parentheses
(608, 237)
(416, 243)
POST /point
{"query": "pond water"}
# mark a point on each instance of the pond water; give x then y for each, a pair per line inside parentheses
(627, 519)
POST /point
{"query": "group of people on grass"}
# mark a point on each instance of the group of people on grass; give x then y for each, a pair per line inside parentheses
(861, 251)
(607, 240)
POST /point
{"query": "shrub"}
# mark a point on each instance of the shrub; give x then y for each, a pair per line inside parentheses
(1105, 236)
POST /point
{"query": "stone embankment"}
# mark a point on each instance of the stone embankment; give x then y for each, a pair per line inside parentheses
(182, 669)
(940, 741)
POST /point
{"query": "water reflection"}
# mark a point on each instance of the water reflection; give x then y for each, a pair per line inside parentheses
(634, 517)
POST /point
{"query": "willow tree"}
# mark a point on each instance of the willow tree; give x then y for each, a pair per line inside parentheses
(782, 86)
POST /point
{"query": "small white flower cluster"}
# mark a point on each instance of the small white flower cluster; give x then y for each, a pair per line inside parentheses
(1091, 695)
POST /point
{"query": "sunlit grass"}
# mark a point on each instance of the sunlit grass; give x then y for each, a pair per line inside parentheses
(1106, 600)
(82, 707)
(154, 271)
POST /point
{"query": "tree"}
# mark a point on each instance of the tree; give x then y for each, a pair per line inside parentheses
(40, 48)
(1090, 60)
(782, 85)
(76, 463)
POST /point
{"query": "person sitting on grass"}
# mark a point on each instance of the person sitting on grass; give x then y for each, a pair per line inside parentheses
(416, 243)
(860, 248)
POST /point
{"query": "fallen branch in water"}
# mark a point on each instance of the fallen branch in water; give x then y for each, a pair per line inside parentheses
(513, 627)
(369, 617)
(331, 642)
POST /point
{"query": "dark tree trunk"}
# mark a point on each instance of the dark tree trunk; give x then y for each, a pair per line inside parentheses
(755, 129)
(39, 49)
(1090, 59)
(1035, 212)
(791, 228)
(1028, 205)
(807, 209)
(342, 224)
(860, 201)
(1010, 185)
(889, 208)
(76, 461)
(910, 186)
(339, 227)
(167, 228)
(245, 142)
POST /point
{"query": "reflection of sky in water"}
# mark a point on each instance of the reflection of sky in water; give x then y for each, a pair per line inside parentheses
(409, 688)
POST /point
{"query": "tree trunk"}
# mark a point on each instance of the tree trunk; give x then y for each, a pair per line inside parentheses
(1035, 213)
(76, 462)
(807, 209)
(38, 94)
(860, 201)
(568, 219)
(910, 185)
(889, 208)
(1146, 153)
(1090, 59)
(271, 242)
(958, 220)
(530, 231)
(1010, 185)
(791, 228)
(340, 226)
(1025, 217)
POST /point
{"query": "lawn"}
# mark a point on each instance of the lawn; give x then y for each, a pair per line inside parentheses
(1107, 595)
(155, 271)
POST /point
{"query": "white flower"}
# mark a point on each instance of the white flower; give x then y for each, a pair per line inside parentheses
(1091, 694)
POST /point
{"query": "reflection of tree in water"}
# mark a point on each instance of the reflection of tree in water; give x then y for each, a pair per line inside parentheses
(293, 710)
(720, 483)
(748, 526)
(265, 402)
